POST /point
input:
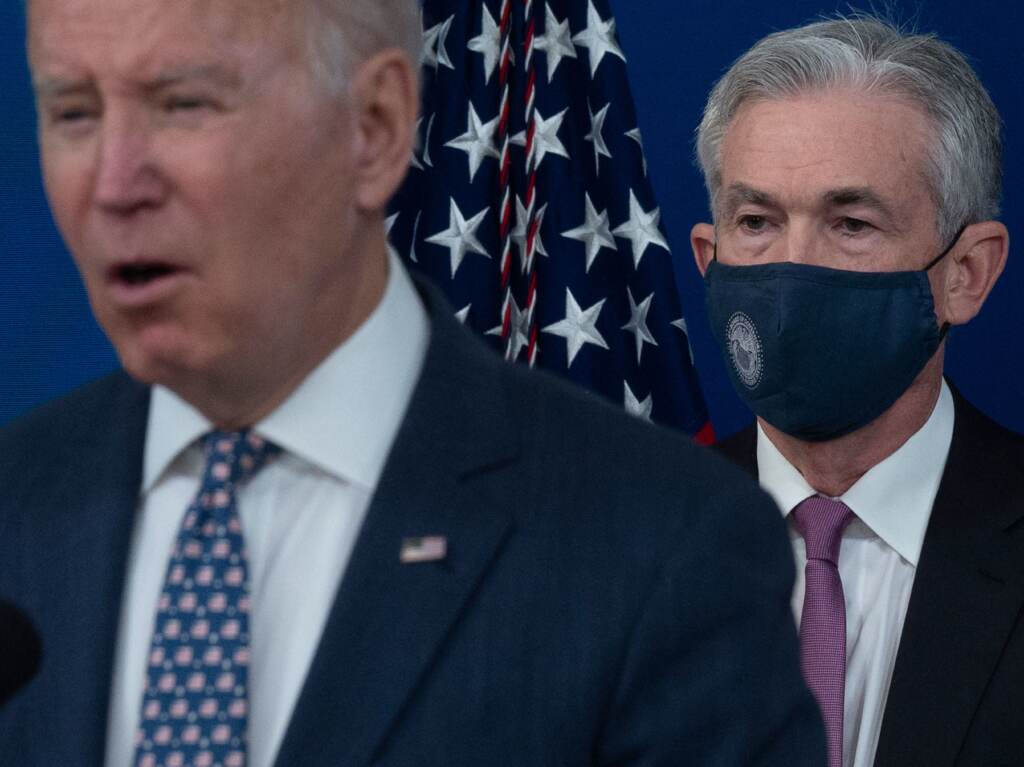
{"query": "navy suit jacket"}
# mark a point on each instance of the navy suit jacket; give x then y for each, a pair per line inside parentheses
(612, 595)
(957, 690)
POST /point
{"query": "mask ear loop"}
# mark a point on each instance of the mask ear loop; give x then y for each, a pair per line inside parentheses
(945, 326)
(943, 254)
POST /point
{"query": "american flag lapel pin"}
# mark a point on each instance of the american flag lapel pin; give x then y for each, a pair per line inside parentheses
(429, 548)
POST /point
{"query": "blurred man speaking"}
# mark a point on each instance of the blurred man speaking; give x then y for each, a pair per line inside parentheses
(854, 172)
(314, 522)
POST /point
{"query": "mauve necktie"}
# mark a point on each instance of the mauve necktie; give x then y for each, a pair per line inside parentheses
(195, 707)
(821, 522)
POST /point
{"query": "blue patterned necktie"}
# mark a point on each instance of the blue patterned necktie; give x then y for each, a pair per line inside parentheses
(195, 708)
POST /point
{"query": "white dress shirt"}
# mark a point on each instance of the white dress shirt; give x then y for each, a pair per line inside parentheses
(877, 561)
(300, 514)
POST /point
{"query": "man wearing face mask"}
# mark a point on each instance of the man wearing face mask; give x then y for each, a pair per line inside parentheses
(854, 172)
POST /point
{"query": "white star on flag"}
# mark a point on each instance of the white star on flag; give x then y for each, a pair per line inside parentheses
(460, 236)
(579, 326)
(477, 142)
(519, 232)
(426, 143)
(598, 38)
(641, 229)
(435, 52)
(637, 324)
(595, 233)
(681, 324)
(488, 42)
(635, 135)
(596, 137)
(546, 139)
(415, 161)
(582, 192)
(389, 224)
(519, 329)
(415, 232)
(634, 406)
(556, 42)
(423, 162)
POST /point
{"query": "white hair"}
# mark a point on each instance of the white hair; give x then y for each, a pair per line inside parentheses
(344, 33)
(964, 159)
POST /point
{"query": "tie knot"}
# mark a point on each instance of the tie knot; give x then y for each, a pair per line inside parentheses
(821, 522)
(234, 456)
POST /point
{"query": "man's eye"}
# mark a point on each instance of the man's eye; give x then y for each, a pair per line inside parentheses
(70, 115)
(185, 104)
(753, 224)
(853, 226)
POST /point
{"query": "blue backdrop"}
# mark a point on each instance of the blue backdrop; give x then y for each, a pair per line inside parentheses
(49, 342)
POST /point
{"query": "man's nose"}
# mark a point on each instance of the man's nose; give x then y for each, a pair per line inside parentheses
(128, 177)
(802, 243)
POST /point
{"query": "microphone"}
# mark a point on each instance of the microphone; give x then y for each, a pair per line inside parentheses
(21, 650)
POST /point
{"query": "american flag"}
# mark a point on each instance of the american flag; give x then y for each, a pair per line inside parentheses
(529, 202)
(430, 548)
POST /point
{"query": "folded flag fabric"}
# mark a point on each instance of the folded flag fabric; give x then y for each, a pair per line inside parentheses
(529, 202)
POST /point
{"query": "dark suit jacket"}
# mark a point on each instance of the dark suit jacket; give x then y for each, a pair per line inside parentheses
(957, 691)
(612, 594)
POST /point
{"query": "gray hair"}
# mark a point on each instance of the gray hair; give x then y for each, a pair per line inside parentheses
(344, 33)
(964, 162)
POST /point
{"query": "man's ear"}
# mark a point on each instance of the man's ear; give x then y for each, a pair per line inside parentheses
(977, 262)
(385, 97)
(702, 240)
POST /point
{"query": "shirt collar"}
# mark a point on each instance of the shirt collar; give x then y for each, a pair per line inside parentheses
(173, 426)
(894, 498)
(344, 416)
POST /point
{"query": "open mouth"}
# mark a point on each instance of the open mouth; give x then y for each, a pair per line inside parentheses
(139, 274)
(137, 283)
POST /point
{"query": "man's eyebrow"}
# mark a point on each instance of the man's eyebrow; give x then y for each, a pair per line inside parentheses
(53, 87)
(213, 73)
(738, 194)
(858, 195)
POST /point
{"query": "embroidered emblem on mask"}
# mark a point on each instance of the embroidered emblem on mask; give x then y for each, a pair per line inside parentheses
(745, 349)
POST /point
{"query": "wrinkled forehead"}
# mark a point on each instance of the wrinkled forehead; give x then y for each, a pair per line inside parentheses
(864, 137)
(256, 12)
(54, 23)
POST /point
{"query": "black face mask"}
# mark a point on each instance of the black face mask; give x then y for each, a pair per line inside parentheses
(819, 352)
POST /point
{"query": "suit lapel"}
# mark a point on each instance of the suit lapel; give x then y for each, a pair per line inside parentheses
(967, 593)
(76, 545)
(741, 449)
(389, 619)
(966, 597)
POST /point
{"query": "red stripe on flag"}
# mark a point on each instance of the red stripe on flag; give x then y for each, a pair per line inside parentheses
(706, 435)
